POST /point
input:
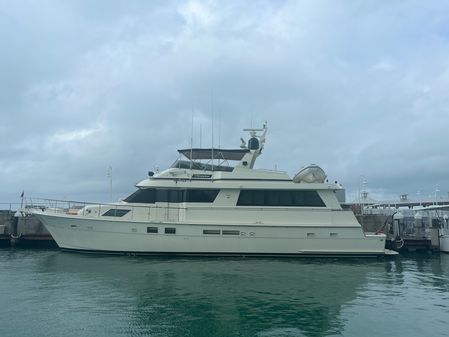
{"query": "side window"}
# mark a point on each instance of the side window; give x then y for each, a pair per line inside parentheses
(144, 195)
(280, 198)
(170, 230)
(201, 195)
(116, 212)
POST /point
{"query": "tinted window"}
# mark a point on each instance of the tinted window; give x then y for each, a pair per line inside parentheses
(258, 197)
(201, 195)
(175, 195)
(280, 198)
(230, 232)
(211, 231)
(116, 212)
(161, 195)
(152, 230)
(151, 195)
(170, 230)
(146, 195)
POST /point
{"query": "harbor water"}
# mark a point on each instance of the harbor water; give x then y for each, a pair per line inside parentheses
(52, 293)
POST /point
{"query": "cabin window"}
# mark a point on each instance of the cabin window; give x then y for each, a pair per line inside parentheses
(116, 212)
(152, 195)
(201, 195)
(301, 198)
(143, 195)
(161, 195)
(175, 195)
(333, 235)
(170, 230)
(230, 232)
(152, 230)
(211, 231)
(310, 235)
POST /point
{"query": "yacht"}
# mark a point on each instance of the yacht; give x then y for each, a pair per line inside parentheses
(203, 205)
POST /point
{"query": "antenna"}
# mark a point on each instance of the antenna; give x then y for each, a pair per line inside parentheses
(219, 129)
(191, 139)
(212, 108)
(109, 175)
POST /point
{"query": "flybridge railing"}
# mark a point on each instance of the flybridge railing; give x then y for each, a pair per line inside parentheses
(153, 212)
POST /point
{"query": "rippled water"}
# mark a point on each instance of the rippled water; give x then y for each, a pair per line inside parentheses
(51, 293)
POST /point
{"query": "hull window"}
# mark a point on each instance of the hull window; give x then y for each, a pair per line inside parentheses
(231, 232)
(280, 198)
(116, 212)
(152, 230)
(170, 230)
(201, 195)
(211, 231)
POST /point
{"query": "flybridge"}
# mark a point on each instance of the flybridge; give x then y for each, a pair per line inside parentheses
(213, 153)
(246, 154)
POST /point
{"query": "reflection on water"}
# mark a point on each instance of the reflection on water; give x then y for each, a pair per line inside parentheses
(53, 293)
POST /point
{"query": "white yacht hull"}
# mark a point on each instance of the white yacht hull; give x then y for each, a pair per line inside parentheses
(212, 208)
(72, 232)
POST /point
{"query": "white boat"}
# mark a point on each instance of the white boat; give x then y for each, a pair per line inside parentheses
(204, 206)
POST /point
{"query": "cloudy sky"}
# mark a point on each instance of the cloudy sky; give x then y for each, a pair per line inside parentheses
(358, 87)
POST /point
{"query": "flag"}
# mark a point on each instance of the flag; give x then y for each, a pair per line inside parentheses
(23, 193)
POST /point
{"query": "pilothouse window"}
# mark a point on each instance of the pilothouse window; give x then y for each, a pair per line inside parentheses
(152, 195)
(143, 195)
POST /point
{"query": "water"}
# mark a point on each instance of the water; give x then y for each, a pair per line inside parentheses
(51, 293)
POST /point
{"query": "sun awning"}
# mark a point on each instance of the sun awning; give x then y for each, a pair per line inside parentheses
(233, 154)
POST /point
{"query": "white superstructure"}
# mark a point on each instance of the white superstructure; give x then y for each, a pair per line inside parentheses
(203, 206)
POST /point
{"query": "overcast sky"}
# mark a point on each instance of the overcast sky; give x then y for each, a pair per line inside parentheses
(359, 87)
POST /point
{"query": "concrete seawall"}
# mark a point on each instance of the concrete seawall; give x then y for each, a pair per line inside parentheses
(23, 231)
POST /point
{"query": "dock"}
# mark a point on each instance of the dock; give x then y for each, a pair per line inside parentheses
(23, 231)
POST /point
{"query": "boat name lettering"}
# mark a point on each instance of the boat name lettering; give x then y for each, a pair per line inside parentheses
(202, 176)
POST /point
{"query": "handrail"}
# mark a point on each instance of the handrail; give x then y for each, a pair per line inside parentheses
(11, 207)
(72, 204)
(91, 209)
